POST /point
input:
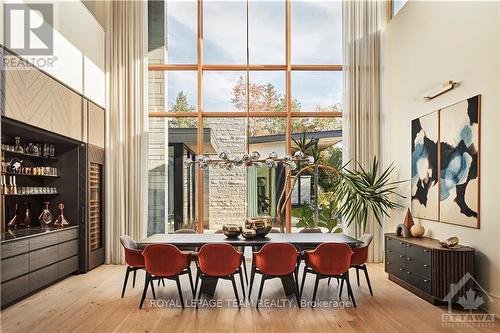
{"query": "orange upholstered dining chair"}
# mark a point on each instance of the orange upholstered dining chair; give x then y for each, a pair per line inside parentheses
(133, 259)
(358, 261)
(165, 261)
(275, 260)
(328, 260)
(219, 261)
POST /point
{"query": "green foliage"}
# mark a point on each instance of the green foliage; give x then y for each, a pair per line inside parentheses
(305, 214)
(332, 157)
(330, 219)
(181, 105)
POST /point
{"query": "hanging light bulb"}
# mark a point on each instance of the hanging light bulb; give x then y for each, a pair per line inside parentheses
(205, 160)
(222, 164)
(292, 165)
(287, 158)
(270, 163)
(245, 158)
(255, 155)
(203, 166)
(223, 156)
(238, 161)
(310, 159)
(273, 155)
(188, 162)
(298, 154)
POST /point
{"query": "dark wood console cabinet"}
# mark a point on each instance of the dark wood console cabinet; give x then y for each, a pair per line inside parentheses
(425, 268)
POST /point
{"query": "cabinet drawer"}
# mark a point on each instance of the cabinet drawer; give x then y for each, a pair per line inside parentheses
(14, 267)
(14, 248)
(395, 245)
(15, 289)
(395, 270)
(43, 277)
(418, 267)
(68, 249)
(43, 257)
(395, 258)
(418, 253)
(420, 282)
(68, 266)
(43, 241)
(67, 235)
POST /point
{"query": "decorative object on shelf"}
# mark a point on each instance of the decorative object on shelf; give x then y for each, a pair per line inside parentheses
(262, 225)
(447, 190)
(61, 220)
(402, 230)
(449, 243)
(18, 148)
(32, 149)
(408, 220)
(252, 159)
(248, 233)
(28, 217)
(17, 220)
(14, 165)
(417, 230)
(231, 230)
(45, 217)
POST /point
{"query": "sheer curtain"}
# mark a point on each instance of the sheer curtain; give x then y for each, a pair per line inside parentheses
(362, 25)
(126, 124)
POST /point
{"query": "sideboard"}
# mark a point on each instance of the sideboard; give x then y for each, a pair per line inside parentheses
(426, 268)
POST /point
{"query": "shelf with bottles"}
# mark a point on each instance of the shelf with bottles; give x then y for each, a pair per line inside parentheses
(45, 151)
(29, 175)
(23, 219)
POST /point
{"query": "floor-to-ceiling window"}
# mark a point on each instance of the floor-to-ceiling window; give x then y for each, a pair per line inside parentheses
(238, 76)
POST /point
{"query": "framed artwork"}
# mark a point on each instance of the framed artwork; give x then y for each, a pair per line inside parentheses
(459, 163)
(445, 164)
(424, 167)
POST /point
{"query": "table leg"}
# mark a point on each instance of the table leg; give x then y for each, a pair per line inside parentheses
(208, 285)
(288, 285)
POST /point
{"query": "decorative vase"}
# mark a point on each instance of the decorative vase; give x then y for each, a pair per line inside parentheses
(417, 230)
(262, 225)
(17, 220)
(408, 220)
(450, 242)
(231, 230)
(27, 215)
(248, 233)
(45, 217)
(61, 220)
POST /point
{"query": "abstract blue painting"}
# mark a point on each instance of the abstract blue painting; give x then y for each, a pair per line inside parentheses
(459, 163)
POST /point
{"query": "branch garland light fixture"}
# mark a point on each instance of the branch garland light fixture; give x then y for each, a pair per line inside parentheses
(252, 159)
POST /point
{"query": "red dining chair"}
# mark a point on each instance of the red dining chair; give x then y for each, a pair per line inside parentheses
(275, 260)
(328, 260)
(358, 261)
(239, 249)
(220, 261)
(165, 261)
(133, 259)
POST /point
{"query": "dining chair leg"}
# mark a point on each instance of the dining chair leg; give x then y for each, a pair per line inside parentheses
(163, 282)
(295, 276)
(303, 281)
(199, 291)
(152, 287)
(146, 284)
(329, 279)
(365, 269)
(296, 288)
(236, 289)
(190, 276)
(159, 281)
(198, 277)
(252, 277)
(349, 289)
(241, 281)
(125, 282)
(179, 290)
(341, 287)
(263, 279)
(315, 291)
(243, 263)
(133, 282)
(357, 275)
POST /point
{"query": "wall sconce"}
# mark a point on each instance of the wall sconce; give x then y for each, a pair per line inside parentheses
(447, 86)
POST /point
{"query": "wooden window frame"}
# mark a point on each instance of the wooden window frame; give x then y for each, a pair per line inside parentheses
(200, 114)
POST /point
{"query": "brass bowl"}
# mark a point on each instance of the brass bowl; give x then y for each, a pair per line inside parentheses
(262, 225)
(231, 230)
(248, 233)
(450, 242)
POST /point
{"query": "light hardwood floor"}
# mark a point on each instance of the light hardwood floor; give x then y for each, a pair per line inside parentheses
(91, 303)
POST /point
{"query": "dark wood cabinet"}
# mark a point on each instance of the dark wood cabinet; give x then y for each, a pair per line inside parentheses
(36, 261)
(425, 268)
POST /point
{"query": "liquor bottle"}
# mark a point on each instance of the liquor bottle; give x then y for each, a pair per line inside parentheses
(17, 220)
(45, 217)
(61, 220)
(28, 217)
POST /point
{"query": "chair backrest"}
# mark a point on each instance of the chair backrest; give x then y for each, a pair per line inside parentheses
(133, 255)
(276, 259)
(219, 259)
(310, 231)
(165, 260)
(360, 255)
(185, 231)
(330, 258)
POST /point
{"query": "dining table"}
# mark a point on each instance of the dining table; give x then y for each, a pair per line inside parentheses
(300, 240)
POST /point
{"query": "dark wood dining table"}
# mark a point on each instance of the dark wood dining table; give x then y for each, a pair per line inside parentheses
(299, 240)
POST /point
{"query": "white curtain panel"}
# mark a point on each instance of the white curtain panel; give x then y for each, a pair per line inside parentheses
(126, 125)
(362, 25)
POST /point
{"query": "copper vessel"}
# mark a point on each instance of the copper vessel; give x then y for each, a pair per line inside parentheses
(262, 225)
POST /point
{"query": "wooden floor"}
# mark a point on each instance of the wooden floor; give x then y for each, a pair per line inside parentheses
(91, 303)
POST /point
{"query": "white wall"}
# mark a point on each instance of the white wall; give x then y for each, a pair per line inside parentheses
(78, 48)
(426, 44)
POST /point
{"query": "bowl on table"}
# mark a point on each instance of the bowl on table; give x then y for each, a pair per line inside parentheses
(231, 230)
